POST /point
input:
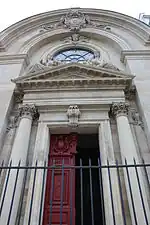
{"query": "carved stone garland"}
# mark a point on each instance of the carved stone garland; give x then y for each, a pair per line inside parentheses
(75, 38)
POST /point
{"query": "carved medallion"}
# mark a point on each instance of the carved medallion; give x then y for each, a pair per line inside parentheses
(74, 20)
(63, 144)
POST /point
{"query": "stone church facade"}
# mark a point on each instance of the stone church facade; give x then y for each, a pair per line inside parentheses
(70, 75)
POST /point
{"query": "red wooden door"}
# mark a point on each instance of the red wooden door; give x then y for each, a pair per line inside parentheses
(62, 150)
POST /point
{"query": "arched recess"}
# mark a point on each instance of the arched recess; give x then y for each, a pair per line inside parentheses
(32, 24)
(44, 39)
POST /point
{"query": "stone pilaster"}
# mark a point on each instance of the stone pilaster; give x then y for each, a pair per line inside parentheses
(107, 153)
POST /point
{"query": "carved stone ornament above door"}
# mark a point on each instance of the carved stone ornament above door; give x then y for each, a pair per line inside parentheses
(73, 114)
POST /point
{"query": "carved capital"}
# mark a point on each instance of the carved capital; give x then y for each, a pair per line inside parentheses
(120, 108)
(29, 111)
(73, 114)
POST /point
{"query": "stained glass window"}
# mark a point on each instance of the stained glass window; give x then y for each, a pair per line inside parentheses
(74, 55)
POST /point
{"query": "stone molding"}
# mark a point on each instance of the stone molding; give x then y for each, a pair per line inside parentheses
(11, 34)
(45, 37)
(29, 111)
(99, 83)
(135, 55)
(78, 75)
(14, 59)
(121, 108)
(73, 114)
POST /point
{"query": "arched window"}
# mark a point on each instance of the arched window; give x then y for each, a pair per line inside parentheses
(74, 55)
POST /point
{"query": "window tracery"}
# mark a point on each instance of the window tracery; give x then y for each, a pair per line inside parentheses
(74, 55)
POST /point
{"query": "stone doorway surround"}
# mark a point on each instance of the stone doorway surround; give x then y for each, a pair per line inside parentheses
(75, 98)
(90, 125)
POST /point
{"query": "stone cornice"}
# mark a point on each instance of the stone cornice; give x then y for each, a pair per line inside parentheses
(14, 59)
(84, 76)
(135, 55)
(112, 83)
(32, 23)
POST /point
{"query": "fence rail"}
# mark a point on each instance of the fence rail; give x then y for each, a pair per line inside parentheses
(85, 191)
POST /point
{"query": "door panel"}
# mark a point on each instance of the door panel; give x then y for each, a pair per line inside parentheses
(62, 151)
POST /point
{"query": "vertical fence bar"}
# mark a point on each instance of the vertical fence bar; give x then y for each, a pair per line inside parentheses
(131, 195)
(121, 194)
(52, 191)
(101, 189)
(5, 187)
(71, 206)
(62, 192)
(33, 186)
(140, 190)
(145, 169)
(22, 195)
(134, 168)
(111, 193)
(81, 183)
(14, 191)
(91, 193)
(42, 193)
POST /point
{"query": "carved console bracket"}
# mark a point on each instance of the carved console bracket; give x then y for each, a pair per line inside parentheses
(12, 123)
(73, 114)
(135, 118)
(130, 93)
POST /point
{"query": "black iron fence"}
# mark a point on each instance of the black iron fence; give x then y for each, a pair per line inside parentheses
(81, 191)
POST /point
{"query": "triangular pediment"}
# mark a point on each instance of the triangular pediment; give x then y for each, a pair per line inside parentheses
(75, 73)
(72, 71)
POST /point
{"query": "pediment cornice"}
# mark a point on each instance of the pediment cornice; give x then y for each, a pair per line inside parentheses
(71, 75)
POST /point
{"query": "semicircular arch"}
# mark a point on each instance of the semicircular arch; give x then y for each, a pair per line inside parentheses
(42, 39)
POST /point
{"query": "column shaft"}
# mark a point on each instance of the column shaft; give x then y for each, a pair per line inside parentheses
(19, 153)
(107, 153)
(40, 157)
(128, 151)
